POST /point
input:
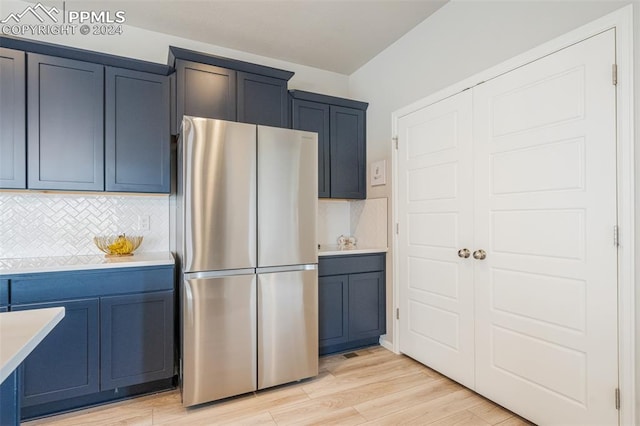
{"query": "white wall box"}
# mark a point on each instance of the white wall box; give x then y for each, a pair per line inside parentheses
(525, 169)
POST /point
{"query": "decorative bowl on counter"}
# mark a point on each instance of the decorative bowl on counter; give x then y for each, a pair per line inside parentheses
(120, 245)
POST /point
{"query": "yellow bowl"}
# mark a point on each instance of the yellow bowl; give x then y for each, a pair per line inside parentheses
(118, 245)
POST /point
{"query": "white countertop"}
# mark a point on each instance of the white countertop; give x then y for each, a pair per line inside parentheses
(335, 250)
(77, 263)
(21, 332)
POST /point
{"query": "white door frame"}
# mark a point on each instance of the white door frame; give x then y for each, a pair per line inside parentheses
(622, 21)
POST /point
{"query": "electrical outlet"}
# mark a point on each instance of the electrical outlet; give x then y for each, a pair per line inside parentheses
(143, 222)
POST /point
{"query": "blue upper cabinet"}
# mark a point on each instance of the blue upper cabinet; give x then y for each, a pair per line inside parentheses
(262, 100)
(314, 117)
(65, 124)
(76, 129)
(341, 127)
(348, 158)
(137, 134)
(205, 91)
(13, 163)
(215, 87)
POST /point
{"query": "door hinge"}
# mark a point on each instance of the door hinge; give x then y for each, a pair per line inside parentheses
(614, 74)
(398, 313)
(395, 140)
(616, 236)
(617, 398)
(397, 228)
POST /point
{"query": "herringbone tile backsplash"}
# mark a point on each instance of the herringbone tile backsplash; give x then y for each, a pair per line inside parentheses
(43, 224)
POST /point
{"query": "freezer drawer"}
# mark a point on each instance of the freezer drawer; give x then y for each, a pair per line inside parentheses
(287, 327)
(219, 338)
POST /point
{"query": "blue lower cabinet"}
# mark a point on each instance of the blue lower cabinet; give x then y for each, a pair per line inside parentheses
(66, 363)
(115, 341)
(137, 339)
(366, 306)
(9, 398)
(333, 294)
(351, 300)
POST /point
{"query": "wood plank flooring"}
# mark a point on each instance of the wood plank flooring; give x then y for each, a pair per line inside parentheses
(375, 388)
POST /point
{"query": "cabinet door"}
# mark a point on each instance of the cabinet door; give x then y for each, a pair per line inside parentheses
(314, 117)
(13, 143)
(205, 91)
(333, 310)
(348, 156)
(366, 305)
(262, 100)
(66, 363)
(136, 339)
(9, 400)
(65, 124)
(137, 138)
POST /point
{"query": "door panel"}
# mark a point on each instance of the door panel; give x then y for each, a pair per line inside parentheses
(262, 100)
(287, 327)
(333, 296)
(66, 364)
(314, 117)
(137, 339)
(366, 305)
(13, 163)
(545, 187)
(348, 153)
(137, 138)
(218, 172)
(205, 91)
(65, 124)
(287, 197)
(219, 338)
(436, 215)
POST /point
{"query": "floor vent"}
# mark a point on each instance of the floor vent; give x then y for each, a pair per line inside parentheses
(350, 355)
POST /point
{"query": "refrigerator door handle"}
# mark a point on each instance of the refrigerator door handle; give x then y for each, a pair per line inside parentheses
(223, 273)
(274, 269)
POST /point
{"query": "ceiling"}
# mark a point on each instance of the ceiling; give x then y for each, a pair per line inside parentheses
(338, 36)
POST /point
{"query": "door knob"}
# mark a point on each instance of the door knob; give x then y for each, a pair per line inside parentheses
(479, 254)
(464, 253)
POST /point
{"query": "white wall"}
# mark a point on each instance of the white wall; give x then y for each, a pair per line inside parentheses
(461, 39)
(154, 47)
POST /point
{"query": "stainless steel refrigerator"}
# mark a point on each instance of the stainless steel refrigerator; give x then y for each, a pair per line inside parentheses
(246, 239)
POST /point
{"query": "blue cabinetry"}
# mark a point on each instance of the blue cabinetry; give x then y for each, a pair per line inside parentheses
(13, 166)
(205, 91)
(314, 117)
(137, 338)
(89, 121)
(65, 124)
(117, 336)
(137, 135)
(216, 87)
(351, 301)
(66, 363)
(4, 295)
(341, 127)
(9, 400)
(262, 100)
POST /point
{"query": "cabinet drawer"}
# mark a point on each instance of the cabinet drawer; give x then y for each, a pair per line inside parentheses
(350, 264)
(44, 287)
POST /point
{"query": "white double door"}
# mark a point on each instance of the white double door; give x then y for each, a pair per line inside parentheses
(522, 167)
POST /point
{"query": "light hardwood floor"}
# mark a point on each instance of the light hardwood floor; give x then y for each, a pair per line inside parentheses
(376, 387)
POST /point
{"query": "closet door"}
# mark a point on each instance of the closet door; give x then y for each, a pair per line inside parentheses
(545, 190)
(435, 206)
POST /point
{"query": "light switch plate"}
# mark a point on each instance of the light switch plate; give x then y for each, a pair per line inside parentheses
(379, 173)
